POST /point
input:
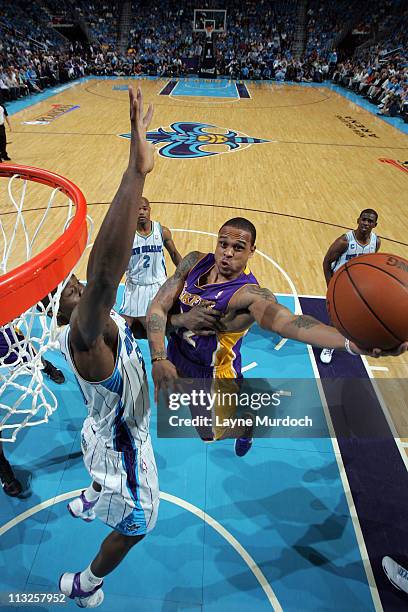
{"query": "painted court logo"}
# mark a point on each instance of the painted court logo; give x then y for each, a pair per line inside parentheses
(186, 140)
(56, 111)
(401, 165)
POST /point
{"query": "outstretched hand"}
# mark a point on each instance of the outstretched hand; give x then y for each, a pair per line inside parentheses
(141, 151)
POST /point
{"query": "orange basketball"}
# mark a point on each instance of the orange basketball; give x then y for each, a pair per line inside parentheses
(367, 300)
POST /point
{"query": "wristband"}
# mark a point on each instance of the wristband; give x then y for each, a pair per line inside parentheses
(348, 349)
(158, 359)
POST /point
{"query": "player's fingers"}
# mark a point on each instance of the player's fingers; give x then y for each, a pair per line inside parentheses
(204, 304)
(177, 385)
(131, 95)
(140, 103)
(148, 116)
(205, 317)
(402, 348)
(132, 102)
(219, 325)
(213, 314)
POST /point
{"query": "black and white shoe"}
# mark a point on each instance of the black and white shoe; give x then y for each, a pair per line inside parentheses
(11, 486)
(53, 373)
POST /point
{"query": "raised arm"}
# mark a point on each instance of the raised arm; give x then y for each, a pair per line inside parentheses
(170, 246)
(111, 250)
(335, 251)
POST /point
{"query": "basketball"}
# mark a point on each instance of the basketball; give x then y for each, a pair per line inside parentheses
(367, 300)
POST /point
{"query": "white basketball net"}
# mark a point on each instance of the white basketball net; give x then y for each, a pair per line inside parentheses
(25, 398)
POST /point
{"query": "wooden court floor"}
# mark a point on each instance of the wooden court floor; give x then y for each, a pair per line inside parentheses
(302, 189)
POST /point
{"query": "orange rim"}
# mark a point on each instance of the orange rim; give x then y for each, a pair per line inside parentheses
(25, 285)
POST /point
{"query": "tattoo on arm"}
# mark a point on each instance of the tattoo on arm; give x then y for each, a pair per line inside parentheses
(306, 322)
(156, 323)
(186, 264)
(171, 289)
(262, 292)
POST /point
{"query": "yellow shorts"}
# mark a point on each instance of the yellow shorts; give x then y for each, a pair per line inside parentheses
(226, 391)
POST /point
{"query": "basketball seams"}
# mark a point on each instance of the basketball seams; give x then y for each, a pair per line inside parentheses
(348, 334)
(346, 268)
(363, 263)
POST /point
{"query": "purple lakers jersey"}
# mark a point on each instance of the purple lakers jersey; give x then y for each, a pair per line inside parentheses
(218, 355)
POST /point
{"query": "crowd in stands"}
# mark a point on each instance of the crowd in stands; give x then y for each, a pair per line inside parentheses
(162, 40)
(257, 44)
(382, 80)
(379, 71)
(325, 20)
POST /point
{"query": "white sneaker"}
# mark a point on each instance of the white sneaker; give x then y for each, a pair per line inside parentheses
(396, 574)
(80, 507)
(326, 355)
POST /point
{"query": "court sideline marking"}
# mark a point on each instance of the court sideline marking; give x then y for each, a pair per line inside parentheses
(178, 501)
(384, 408)
(346, 487)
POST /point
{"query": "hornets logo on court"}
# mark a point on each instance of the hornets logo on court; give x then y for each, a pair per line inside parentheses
(187, 140)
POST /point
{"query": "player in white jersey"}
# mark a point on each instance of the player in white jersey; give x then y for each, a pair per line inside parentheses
(108, 365)
(360, 241)
(146, 271)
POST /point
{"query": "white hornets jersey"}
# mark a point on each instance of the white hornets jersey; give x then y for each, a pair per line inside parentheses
(355, 249)
(147, 265)
(118, 406)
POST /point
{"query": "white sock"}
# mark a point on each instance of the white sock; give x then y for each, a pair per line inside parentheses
(88, 580)
(90, 494)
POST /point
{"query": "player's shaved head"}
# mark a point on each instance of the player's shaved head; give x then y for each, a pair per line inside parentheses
(369, 211)
(242, 224)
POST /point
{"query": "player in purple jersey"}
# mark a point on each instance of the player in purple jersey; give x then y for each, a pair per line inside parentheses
(9, 354)
(223, 288)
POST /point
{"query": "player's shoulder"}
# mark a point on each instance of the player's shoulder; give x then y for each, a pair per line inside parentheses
(156, 226)
(341, 243)
(165, 231)
(188, 262)
(250, 293)
(347, 236)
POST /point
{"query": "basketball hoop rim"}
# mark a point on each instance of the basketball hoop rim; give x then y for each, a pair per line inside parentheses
(28, 283)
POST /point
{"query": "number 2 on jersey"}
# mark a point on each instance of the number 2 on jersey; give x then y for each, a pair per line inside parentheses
(146, 261)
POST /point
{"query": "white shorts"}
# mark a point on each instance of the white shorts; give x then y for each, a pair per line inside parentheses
(129, 500)
(137, 298)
